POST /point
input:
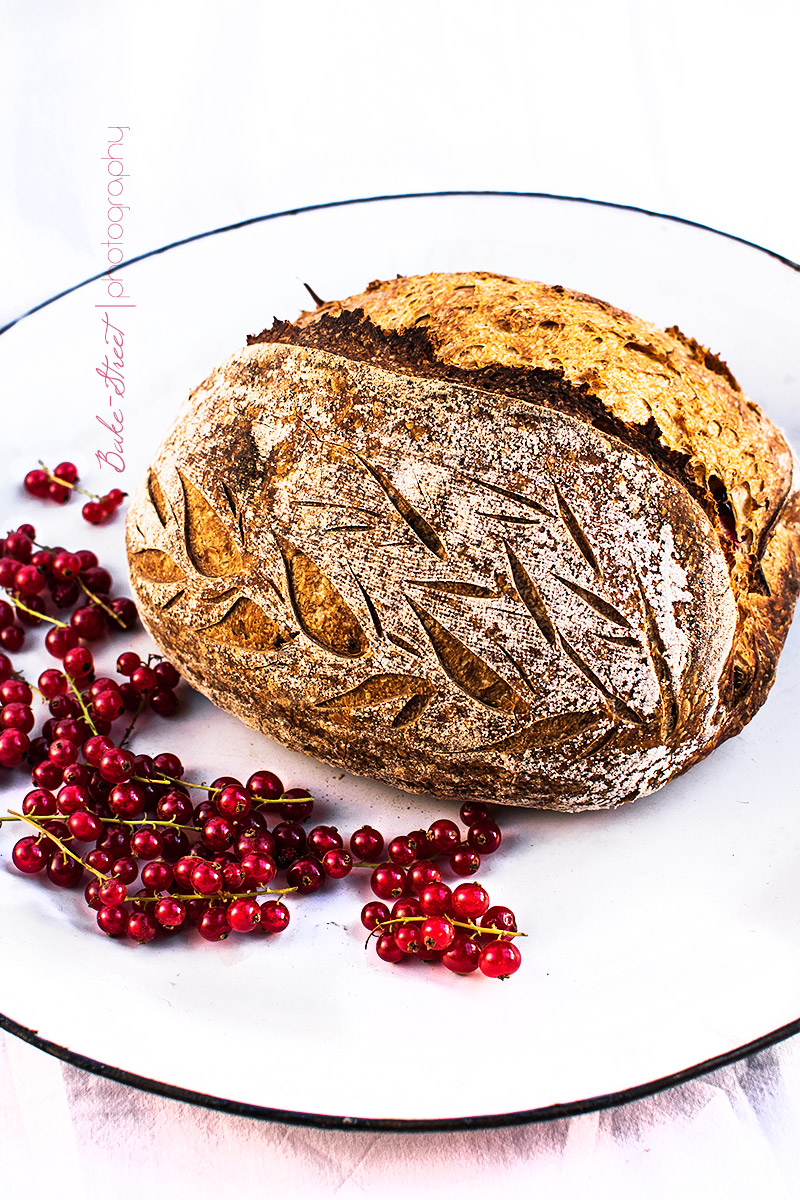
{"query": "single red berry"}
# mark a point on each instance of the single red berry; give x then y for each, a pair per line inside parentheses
(108, 705)
(323, 838)
(444, 836)
(93, 512)
(147, 843)
(157, 875)
(99, 860)
(13, 747)
(258, 868)
(94, 748)
(12, 638)
(175, 806)
(306, 875)
(17, 716)
(408, 937)
(127, 799)
(29, 856)
(218, 833)
(374, 913)
(84, 826)
(125, 613)
(144, 679)
(65, 595)
(6, 666)
(79, 664)
(297, 804)
(436, 899)
(166, 675)
(366, 843)
(169, 912)
(128, 662)
(472, 811)
(58, 492)
(66, 471)
(274, 916)
(213, 924)
(29, 581)
(421, 875)
(337, 863)
(163, 702)
(388, 950)
(290, 842)
(113, 892)
(141, 928)
(498, 918)
(46, 775)
(88, 622)
(264, 785)
(64, 871)
(168, 764)
(243, 915)
(470, 901)
(206, 878)
(6, 614)
(52, 683)
(125, 869)
(19, 546)
(63, 751)
(401, 853)
(233, 801)
(465, 861)
(116, 766)
(112, 919)
(462, 955)
(66, 566)
(115, 497)
(88, 562)
(499, 959)
(39, 803)
(484, 836)
(37, 483)
(388, 881)
(437, 933)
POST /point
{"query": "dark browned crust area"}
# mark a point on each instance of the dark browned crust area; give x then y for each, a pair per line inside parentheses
(354, 335)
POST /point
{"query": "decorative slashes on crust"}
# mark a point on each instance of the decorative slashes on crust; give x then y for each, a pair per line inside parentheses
(471, 573)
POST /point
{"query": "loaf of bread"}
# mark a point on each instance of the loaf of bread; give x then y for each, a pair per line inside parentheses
(476, 537)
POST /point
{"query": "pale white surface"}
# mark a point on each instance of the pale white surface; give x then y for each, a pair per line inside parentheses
(240, 112)
(650, 950)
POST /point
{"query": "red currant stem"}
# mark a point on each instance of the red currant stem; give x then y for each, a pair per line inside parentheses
(226, 896)
(32, 611)
(170, 779)
(386, 927)
(100, 604)
(65, 482)
(82, 703)
(129, 730)
(142, 821)
(52, 837)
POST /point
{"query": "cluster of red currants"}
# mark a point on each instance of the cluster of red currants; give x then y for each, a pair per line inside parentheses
(58, 485)
(96, 807)
(429, 920)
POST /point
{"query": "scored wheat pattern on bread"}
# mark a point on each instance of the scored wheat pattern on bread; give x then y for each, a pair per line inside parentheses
(449, 586)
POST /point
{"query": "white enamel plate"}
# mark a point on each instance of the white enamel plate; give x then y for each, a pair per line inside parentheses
(663, 937)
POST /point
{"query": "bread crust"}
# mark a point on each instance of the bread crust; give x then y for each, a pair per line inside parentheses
(475, 536)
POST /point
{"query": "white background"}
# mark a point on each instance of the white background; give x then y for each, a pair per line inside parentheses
(234, 111)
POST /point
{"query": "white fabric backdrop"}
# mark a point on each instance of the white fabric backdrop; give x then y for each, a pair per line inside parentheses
(248, 108)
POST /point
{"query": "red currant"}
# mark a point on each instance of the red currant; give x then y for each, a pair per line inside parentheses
(499, 959)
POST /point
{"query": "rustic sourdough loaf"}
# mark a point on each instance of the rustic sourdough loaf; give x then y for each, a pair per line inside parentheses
(476, 537)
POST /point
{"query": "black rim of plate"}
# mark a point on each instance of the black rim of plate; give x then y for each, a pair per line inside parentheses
(550, 1112)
